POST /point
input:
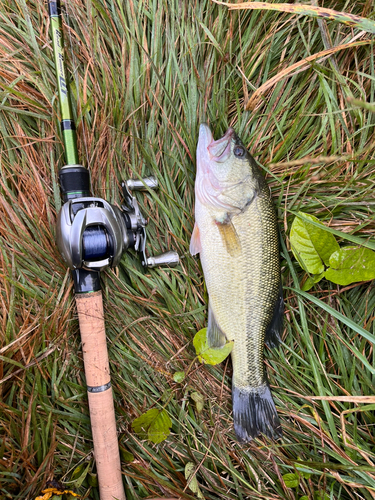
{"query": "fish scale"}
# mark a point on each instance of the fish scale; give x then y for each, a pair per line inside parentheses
(252, 279)
(236, 235)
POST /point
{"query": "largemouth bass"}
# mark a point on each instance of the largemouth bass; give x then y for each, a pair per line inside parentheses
(236, 235)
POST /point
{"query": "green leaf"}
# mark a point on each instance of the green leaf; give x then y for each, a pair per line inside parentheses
(79, 475)
(198, 399)
(77, 472)
(179, 377)
(319, 496)
(311, 281)
(193, 483)
(304, 498)
(305, 475)
(92, 479)
(126, 456)
(301, 471)
(291, 480)
(311, 245)
(351, 264)
(153, 425)
(209, 355)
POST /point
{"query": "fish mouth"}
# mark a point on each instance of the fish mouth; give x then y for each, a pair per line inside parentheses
(215, 150)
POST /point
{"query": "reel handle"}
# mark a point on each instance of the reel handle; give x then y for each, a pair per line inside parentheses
(140, 184)
(167, 259)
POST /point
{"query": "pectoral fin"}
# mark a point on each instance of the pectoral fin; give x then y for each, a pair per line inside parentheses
(195, 242)
(273, 334)
(230, 238)
(215, 336)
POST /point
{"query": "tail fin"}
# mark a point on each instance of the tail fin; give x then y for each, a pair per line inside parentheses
(254, 413)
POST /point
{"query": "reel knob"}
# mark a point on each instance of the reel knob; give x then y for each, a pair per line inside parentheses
(167, 259)
(140, 184)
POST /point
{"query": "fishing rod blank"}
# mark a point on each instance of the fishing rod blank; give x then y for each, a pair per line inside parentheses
(92, 235)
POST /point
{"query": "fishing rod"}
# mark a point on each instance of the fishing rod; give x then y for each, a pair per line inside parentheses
(92, 235)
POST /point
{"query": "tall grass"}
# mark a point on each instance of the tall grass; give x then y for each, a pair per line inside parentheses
(146, 73)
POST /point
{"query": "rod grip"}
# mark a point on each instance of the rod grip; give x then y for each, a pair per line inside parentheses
(102, 412)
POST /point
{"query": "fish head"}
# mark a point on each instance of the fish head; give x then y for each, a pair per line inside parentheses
(227, 175)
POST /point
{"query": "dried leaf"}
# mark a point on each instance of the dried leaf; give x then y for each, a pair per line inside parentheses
(358, 22)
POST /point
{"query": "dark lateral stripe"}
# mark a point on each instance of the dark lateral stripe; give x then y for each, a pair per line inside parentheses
(99, 388)
(68, 125)
(54, 9)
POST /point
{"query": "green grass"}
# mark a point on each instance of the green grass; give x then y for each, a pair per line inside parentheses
(145, 75)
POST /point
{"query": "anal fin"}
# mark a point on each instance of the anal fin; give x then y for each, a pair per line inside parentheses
(273, 333)
(215, 336)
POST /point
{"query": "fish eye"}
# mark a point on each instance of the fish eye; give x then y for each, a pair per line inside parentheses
(239, 151)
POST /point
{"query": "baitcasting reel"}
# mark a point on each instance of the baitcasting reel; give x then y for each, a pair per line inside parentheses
(92, 234)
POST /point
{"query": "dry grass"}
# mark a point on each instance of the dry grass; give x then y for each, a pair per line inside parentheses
(146, 74)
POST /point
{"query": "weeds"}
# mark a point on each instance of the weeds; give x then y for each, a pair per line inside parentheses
(145, 75)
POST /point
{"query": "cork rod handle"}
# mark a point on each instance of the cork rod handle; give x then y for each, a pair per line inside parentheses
(102, 412)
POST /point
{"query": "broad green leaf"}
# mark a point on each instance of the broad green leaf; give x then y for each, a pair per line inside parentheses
(305, 475)
(301, 470)
(79, 475)
(357, 240)
(179, 377)
(351, 264)
(209, 355)
(153, 425)
(198, 399)
(78, 471)
(304, 498)
(92, 479)
(193, 483)
(311, 281)
(311, 245)
(320, 496)
(291, 480)
(126, 456)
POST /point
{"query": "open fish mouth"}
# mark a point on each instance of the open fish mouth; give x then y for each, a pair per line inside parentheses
(217, 150)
